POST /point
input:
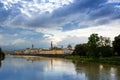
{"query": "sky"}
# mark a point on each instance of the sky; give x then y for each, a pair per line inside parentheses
(38, 22)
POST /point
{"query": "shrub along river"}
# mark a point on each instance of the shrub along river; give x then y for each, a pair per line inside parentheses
(40, 68)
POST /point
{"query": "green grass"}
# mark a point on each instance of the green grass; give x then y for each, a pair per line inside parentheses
(107, 60)
(79, 58)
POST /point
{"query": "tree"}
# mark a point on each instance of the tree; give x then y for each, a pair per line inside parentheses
(104, 47)
(2, 55)
(104, 41)
(93, 45)
(116, 44)
(80, 49)
(105, 51)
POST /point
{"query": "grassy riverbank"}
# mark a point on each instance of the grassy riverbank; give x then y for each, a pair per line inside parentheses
(107, 60)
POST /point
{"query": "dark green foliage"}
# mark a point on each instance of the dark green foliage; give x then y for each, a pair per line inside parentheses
(97, 47)
(105, 51)
(80, 49)
(116, 44)
(2, 55)
(104, 47)
(93, 45)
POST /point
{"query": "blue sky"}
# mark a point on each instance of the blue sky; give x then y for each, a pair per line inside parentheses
(38, 22)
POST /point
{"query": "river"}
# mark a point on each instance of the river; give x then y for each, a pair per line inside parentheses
(39, 68)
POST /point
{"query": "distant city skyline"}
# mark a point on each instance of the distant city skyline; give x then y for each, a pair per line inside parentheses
(38, 22)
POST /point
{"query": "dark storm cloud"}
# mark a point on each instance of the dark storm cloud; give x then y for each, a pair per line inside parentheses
(91, 9)
(96, 9)
(107, 11)
(78, 6)
(45, 20)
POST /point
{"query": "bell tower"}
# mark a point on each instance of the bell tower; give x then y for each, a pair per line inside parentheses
(32, 46)
(51, 45)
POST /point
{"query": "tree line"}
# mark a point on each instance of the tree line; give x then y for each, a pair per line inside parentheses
(98, 46)
(2, 56)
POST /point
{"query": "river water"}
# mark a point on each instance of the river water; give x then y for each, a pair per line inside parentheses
(39, 68)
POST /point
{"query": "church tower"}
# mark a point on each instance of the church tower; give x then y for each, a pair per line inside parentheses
(51, 45)
(32, 46)
(69, 47)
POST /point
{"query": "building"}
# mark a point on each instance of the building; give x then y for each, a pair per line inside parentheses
(19, 51)
(52, 50)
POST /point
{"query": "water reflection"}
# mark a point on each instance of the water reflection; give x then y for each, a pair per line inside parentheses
(52, 64)
(39, 68)
(94, 71)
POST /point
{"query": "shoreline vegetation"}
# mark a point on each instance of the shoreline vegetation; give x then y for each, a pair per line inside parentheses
(98, 49)
(105, 60)
(2, 55)
(115, 60)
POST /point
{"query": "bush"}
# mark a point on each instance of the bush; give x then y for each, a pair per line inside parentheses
(80, 49)
(105, 51)
(2, 55)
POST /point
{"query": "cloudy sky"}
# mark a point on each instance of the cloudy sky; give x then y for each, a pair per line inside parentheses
(38, 22)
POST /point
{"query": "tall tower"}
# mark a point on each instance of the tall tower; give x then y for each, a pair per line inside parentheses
(32, 46)
(0, 49)
(51, 45)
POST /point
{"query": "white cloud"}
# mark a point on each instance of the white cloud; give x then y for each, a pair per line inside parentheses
(15, 35)
(81, 35)
(112, 1)
(25, 12)
(8, 3)
(18, 41)
(1, 37)
(115, 1)
(36, 6)
(3, 41)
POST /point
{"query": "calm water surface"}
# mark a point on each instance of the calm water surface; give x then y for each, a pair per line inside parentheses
(38, 68)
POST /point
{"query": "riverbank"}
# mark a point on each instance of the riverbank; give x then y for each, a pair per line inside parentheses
(106, 60)
(45, 55)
